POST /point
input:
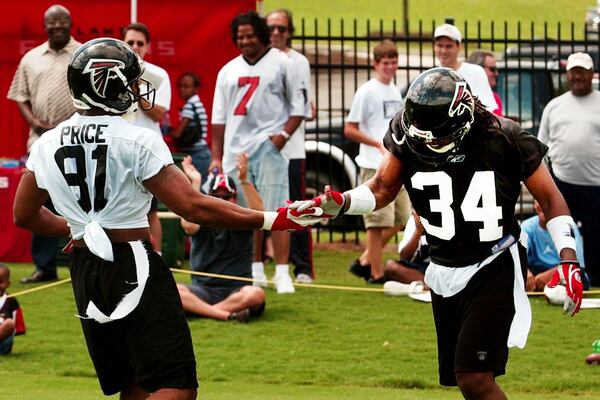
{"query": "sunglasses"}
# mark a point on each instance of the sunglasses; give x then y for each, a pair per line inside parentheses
(280, 28)
(139, 43)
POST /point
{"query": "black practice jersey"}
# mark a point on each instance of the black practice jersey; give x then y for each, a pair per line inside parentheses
(467, 204)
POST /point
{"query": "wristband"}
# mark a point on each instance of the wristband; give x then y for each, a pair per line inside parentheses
(362, 200)
(285, 135)
(562, 231)
(268, 220)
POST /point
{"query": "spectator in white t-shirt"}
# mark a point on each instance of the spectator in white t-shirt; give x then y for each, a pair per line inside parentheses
(447, 45)
(375, 104)
(137, 36)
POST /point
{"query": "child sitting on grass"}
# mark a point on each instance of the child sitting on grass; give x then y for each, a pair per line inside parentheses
(11, 317)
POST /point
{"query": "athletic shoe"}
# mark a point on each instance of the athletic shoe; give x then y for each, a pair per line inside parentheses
(259, 279)
(284, 284)
(304, 278)
(393, 288)
(240, 316)
(361, 271)
(379, 281)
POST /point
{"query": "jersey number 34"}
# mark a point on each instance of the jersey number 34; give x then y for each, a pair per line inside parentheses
(482, 190)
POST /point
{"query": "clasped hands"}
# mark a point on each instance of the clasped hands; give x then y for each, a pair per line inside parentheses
(303, 213)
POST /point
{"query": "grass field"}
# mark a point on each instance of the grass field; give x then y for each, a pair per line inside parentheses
(471, 11)
(315, 344)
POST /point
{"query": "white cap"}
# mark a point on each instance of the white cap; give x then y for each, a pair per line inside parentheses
(450, 31)
(582, 60)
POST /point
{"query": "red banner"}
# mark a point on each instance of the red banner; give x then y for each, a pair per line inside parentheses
(187, 35)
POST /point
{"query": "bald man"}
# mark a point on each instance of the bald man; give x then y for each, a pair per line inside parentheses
(39, 87)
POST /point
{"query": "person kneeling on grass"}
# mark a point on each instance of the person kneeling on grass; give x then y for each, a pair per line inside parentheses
(222, 251)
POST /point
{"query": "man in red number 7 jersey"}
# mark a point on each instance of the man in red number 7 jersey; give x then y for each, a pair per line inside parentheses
(258, 105)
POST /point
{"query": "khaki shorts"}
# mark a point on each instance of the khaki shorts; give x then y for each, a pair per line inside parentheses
(394, 214)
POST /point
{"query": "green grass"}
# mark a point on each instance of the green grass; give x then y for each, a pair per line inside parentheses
(471, 11)
(314, 344)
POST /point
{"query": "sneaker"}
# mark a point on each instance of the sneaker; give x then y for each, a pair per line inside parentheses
(240, 316)
(393, 288)
(304, 278)
(360, 271)
(284, 284)
(379, 281)
(259, 279)
(39, 276)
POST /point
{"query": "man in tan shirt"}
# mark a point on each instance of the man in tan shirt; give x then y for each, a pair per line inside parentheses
(39, 87)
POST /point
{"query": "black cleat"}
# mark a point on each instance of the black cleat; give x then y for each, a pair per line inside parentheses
(360, 271)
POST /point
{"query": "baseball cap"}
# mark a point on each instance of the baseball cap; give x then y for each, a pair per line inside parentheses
(221, 181)
(582, 60)
(450, 31)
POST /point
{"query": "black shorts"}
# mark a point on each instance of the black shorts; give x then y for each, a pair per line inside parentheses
(416, 265)
(152, 346)
(473, 325)
(213, 295)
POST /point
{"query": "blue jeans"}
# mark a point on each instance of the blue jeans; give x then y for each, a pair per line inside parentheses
(268, 171)
(6, 345)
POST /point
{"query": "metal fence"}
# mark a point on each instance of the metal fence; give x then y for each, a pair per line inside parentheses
(531, 67)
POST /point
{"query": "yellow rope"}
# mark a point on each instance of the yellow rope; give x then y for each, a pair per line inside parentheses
(309, 285)
(38, 288)
(317, 286)
(238, 278)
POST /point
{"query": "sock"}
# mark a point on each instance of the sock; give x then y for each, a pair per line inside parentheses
(258, 268)
(282, 269)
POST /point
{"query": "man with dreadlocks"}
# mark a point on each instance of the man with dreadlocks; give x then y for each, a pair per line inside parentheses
(463, 167)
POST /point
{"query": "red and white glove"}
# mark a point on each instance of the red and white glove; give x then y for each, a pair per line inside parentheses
(328, 205)
(569, 275)
(286, 219)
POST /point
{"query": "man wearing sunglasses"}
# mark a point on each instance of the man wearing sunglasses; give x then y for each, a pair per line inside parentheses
(447, 46)
(487, 60)
(137, 36)
(224, 252)
(281, 26)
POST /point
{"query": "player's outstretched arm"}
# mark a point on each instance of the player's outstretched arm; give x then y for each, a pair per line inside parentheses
(375, 193)
(173, 188)
(560, 225)
(29, 211)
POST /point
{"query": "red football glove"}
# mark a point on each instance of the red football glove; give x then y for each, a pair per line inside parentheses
(286, 219)
(569, 275)
(328, 205)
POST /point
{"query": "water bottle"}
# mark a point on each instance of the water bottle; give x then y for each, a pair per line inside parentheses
(596, 346)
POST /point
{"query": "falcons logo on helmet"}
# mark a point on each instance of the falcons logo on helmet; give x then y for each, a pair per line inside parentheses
(102, 71)
(462, 101)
